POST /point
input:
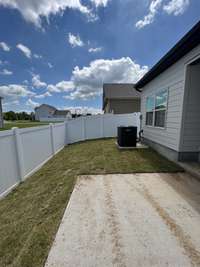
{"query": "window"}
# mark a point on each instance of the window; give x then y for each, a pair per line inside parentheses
(160, 108)
(149, 110)
(156, 107)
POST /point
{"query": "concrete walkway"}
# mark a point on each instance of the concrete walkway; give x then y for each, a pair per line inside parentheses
(130, 220)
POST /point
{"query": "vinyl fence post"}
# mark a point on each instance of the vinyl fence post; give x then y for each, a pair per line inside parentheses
(66, 133)
(83, 129)
(102, 126)
(52, 138)
(19, 150)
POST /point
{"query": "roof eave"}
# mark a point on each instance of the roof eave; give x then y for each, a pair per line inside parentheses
(186, 44)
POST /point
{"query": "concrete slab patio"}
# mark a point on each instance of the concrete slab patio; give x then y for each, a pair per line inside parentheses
(130, 220)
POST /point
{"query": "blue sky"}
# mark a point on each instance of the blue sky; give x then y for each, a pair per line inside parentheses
(61, 52)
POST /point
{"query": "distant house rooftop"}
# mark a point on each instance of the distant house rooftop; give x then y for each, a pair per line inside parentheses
(45, 105)
(120, 98)
(119, 91)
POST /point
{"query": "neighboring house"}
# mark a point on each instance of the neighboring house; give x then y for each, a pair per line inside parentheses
(1, 113)
(170, 100)
(120, 98)
(62, 114)
(47, 112)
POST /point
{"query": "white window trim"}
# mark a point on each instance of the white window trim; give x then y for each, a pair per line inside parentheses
(154, 110)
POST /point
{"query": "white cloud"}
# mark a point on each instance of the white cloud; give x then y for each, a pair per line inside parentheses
(75, 40)
(14, 91)
(14, 102)
(63, 86)
(176, 7)
(148, 19)
(33, 10)
(47, 94)
(37, 56)
(98, 3)
(32, 103)
(83, 110)
(50, 65)
(52, 88)
(88, 81)
(95, 50)
(6, 72)
(25, 50)
(173, 7)
(37, 83)
(4, 46)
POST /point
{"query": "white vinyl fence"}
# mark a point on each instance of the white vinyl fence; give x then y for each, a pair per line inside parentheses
(23, 151)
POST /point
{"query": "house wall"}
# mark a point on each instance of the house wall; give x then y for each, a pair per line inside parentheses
(107, 107)
(43, 112)
(66, 116)
(122, 106)
(120, 90)
(190, 141)
(172, 79)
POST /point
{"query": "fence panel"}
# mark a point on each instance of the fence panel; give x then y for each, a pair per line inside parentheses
(75, 130)
(111, 122)
(23, 151)
(36, 147)
(59, 136)
(9, 172)
(93, 127)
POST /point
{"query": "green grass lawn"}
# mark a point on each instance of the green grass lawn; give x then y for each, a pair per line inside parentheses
(30, 215)
(22, 124)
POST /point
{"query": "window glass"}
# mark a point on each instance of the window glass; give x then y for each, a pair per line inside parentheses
(150, 103)
(149, 118)
(160, 118)
(161, 100)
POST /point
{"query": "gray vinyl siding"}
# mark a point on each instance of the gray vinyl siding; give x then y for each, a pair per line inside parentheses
(44, 112)
(172, 79)
(191, 121)
(121, 106)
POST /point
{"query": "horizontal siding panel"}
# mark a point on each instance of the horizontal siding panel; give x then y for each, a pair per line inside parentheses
(174, 79)
(175, 99)
(172, 130)
(195, 138)
(191, 130)
(162, 140)
(175, 120)
(193, 115)
(175, 92)
(160, 133)
(164, 136)
(192, 120)
(194, 108)
(172, 109)
(173, 114)
(190, 148)
(168, 143)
